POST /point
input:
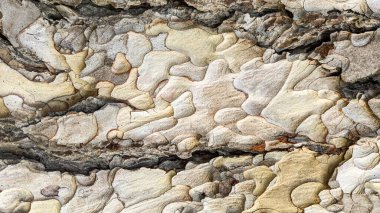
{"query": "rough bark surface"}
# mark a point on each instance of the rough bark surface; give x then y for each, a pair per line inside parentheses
(210, 106)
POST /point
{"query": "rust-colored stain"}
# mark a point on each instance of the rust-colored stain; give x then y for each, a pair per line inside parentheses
(258, 147)
(324, 49)
(283, 139)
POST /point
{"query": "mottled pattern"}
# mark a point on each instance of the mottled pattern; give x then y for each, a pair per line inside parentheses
(195, 106)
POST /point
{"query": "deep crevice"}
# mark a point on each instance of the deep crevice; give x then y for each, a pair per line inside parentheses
(78, 162)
